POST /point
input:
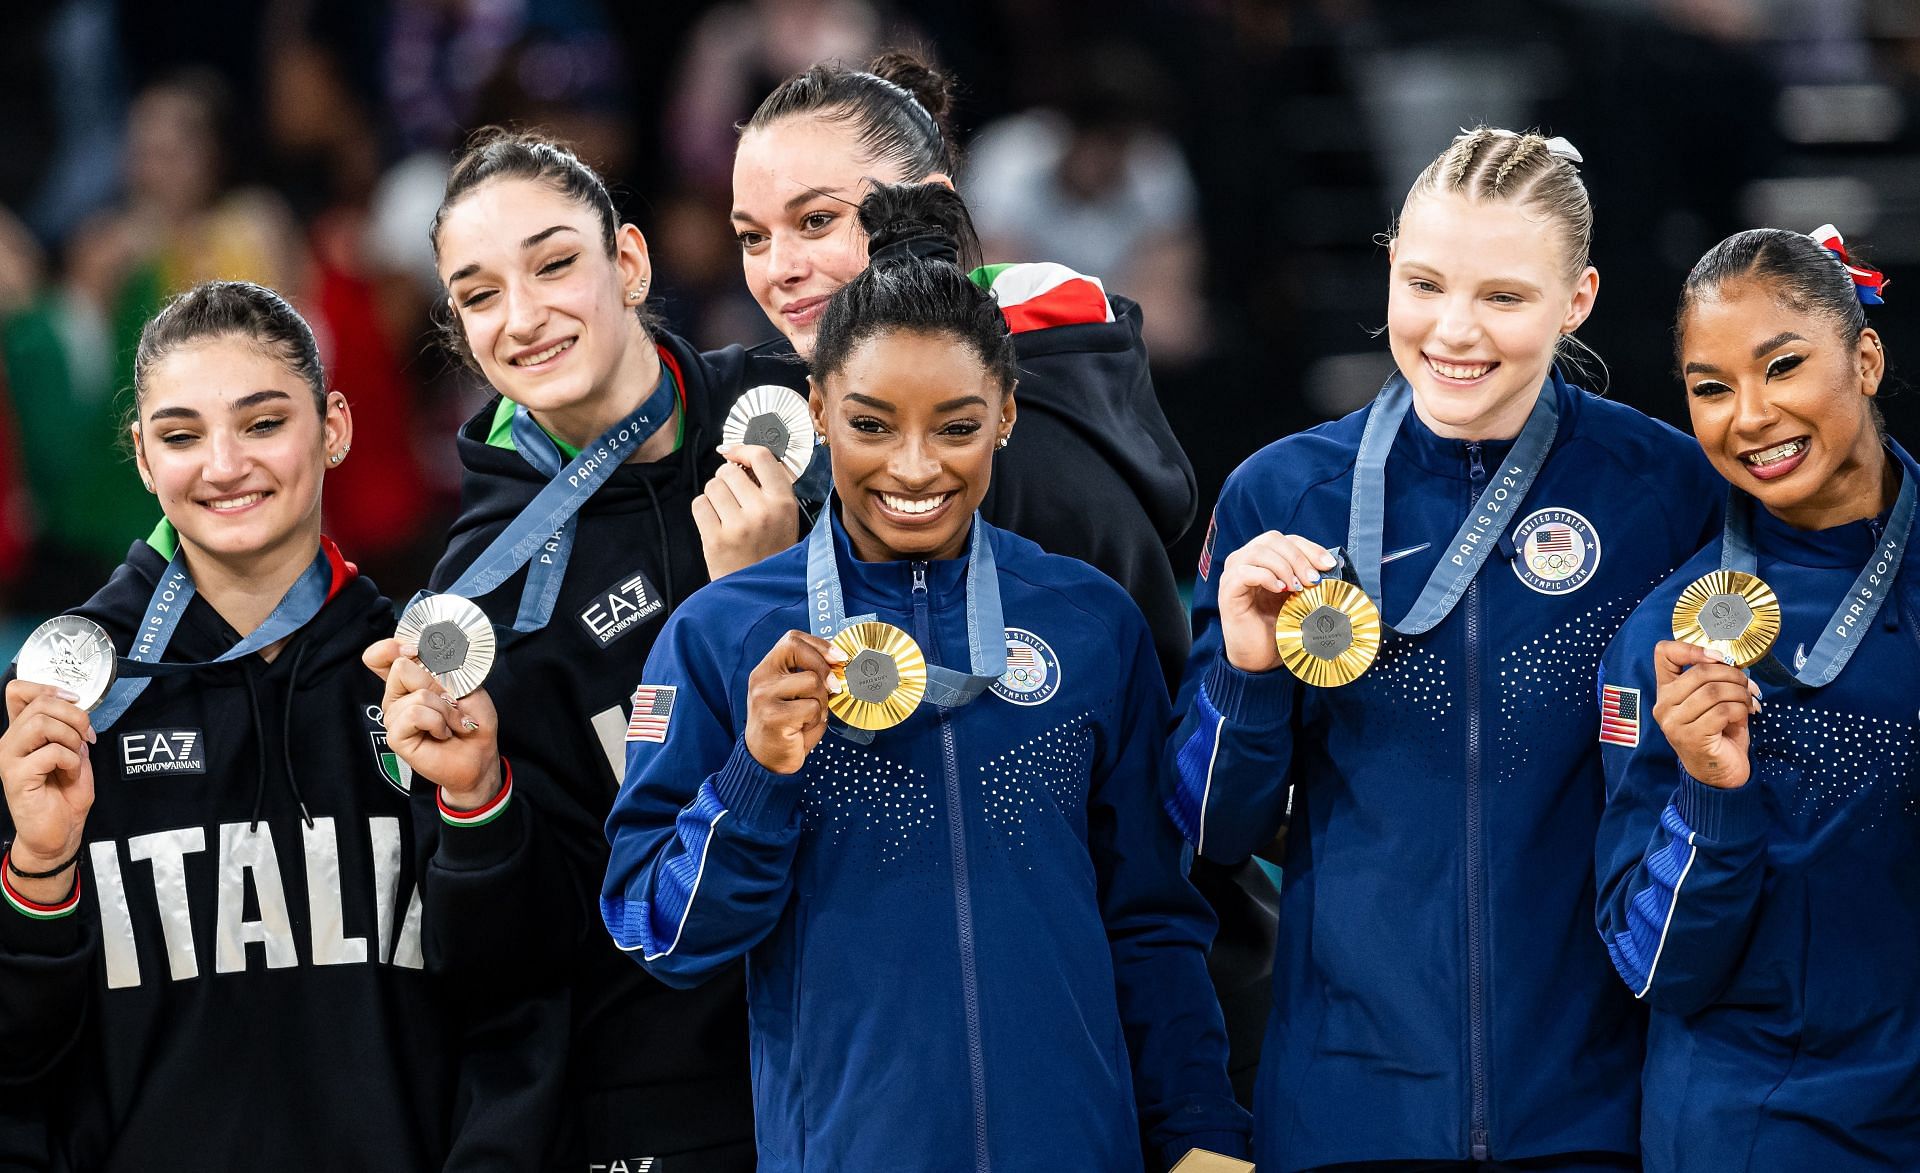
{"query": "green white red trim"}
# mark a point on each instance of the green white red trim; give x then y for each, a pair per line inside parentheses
(33, 909)
(1038, 295)
(480, 816)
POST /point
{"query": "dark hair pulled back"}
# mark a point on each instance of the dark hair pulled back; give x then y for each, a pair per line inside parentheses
(1793, 266)
(497, 152)
(922, 245)
(897, 105)
(231, 309)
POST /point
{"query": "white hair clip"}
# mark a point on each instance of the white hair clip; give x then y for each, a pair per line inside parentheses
(1564, 149)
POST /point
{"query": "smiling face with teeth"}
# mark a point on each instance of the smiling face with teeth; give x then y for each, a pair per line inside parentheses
(230, 440)
(1478, 299)
(1782, 404)
(544, 308)
(911, 420)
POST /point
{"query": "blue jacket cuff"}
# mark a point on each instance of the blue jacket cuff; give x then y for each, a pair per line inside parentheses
(1250, 698)
(1721, 816)
(758, 798)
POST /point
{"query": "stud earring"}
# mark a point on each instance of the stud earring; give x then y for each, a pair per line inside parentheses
(633, 295)
(1002, 441)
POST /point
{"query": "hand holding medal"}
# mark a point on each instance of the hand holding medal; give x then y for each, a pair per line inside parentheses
(1703, 706)
(1729, 612)
(439, 720)
(64, 669)
(789, 694)
(1277, 610)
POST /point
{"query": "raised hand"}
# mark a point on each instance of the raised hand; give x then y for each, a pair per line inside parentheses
(1255, 580)
(748, 511)
(1703, 705)
(453, 743)
(47, 771)
(787, 700)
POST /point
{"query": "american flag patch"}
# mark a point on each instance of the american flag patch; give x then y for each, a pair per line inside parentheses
(1206, 547)
(1619, 715)
(1554, 539)
(1019, 655)
(652, 713)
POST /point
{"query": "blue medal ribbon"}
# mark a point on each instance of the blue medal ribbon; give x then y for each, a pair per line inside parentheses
(1856, 612)
(541, 536)
(1477, 536)
(168, 603)
(986, 627)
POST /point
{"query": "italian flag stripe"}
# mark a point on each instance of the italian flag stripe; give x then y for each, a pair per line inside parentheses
(27, 907)
(480, 816)
(1038, 295)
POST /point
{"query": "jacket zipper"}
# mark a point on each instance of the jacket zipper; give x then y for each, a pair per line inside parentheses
(962, 894)
(1476, 861)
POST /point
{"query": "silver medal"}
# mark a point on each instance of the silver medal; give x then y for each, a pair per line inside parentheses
(776, 418)
(454, 638)
(70, 652)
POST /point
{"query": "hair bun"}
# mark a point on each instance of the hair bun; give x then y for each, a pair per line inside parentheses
(914, 74)
(928, 221)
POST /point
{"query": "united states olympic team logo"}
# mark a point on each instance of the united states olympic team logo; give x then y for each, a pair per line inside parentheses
(1556, 551)
(1033, 671)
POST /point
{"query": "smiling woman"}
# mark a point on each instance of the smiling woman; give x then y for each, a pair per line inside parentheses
(1756, 859)
(984, 859)
(1498, 523)
(127, 1037)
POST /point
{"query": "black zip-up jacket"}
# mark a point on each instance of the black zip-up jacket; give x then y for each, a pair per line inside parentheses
(261, 973)
(651, 1071)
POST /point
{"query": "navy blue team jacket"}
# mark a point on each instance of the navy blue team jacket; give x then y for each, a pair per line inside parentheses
(1437, 994)
(1774, 930)
(970, 944)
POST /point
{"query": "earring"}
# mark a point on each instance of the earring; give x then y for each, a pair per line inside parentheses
(1002, 441)
(633, 295)
(820, 438)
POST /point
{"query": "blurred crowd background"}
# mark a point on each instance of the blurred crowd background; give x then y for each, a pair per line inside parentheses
(1228, 163)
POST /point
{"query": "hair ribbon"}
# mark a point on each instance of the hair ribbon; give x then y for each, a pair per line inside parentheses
(1867, 283)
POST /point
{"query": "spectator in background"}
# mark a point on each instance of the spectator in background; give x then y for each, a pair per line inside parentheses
(1097, 183)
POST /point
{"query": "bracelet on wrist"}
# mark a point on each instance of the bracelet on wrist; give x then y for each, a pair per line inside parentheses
(14, 870)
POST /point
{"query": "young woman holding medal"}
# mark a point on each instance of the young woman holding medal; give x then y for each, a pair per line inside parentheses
(956, 893)
(1757, 878)
(577, 537)
(1100, 476)
(1435, 997)
(232, 936)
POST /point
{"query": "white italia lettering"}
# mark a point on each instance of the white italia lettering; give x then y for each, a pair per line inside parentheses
(168, 851)
(331, 945)
(406, 951)
(116, 922)
(385, 833)
(248, 852)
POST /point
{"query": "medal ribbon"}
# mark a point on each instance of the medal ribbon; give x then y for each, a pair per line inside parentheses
(1856, 612)
(986, 627)
(1366, 526)
(301, 603)
(545, 526)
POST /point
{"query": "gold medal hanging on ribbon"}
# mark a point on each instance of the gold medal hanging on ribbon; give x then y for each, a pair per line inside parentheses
(885, 676)
(1328, 634)
(1731, 612)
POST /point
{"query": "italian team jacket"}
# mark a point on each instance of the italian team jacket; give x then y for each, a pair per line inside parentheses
(1774, 930)
(646, 1072)
(970, 944)
(1437, 995)
(279, 949)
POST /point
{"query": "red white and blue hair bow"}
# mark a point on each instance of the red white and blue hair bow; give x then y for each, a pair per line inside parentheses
(1867, 283)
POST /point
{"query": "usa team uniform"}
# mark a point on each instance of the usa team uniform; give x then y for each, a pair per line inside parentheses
(1437, 994)
(1773, 930)
(279, 946)
(970, 944)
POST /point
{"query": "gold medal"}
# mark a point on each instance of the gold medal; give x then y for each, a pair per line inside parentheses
(1730, 612)
(885, 676)
(455, 640)
(1328, 634)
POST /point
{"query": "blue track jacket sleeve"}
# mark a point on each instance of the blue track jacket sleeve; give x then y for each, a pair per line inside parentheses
(1230, 757)
(1679, 864)
(703, 836)
(1158, 927)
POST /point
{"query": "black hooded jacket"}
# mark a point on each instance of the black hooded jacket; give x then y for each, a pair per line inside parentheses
(652, 1071)
(261, 972)
(1093, 470)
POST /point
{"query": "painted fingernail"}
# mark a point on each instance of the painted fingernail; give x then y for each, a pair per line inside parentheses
(63, 694)
(835, 655)
(469, 724)
(834, 686)
(1313, 578)
(1326, 561)
(409, 649)
(1298, 585)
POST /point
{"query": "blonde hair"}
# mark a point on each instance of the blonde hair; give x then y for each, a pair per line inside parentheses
(1492, 165)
